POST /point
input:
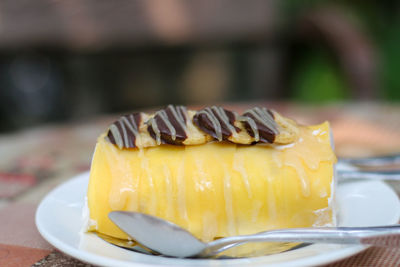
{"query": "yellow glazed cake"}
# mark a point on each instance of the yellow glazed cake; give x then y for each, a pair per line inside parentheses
(214, 172)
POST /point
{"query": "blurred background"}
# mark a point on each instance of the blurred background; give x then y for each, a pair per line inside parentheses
(73, 60)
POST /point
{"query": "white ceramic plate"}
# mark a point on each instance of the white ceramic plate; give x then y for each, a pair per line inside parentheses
(59, 220)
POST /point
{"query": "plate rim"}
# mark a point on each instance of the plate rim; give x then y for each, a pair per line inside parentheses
(92, 258)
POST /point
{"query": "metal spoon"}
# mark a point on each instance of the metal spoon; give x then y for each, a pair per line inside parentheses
(386, 175)
(172, 240)
(352, 168)
(372, 161)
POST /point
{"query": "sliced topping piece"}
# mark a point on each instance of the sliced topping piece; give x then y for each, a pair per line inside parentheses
(195, 135)
(242, 136)
(268, 126)
(260, 124)
(178, 126)
(288, 129)
(217, 122)
(125, 130)
(168, 126)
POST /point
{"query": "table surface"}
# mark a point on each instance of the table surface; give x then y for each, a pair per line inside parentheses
(36, 160)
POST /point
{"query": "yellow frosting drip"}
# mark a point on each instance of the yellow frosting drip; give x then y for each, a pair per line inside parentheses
(217, 189)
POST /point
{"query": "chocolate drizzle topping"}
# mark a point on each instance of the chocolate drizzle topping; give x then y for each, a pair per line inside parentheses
(260, 124)
(217, 122)
(125, 130)
(177, 126)
(168, 126)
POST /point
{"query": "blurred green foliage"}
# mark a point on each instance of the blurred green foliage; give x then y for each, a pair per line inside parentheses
(318, 79)
(390, 71)
(316, 76)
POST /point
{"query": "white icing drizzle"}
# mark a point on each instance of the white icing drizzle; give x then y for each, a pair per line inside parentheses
(230, 216)
(252, 125)
(221, 113)
(124, 134)
(257, 205)
(163, 115)
(169, 192)
(121, 189)
(294, 161)
(133, 126)
(263, 117)
(271, 200)
(147, 170)
(125, 124)
(117, 136)
(210, 226)
(215, 121)
(178, 116)
(238, 165)
(156, 130)
(88, 222)
(203, 183)
(216, 125)
(182, 192)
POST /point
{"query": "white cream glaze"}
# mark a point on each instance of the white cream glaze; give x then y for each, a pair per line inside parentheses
(168, 189)
(146, 170)
(229, 202)
(88, 223)
(181, 198)
(238, 165)
(322, 213)
(122, 189)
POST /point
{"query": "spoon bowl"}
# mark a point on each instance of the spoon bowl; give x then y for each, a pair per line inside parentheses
(166, 237)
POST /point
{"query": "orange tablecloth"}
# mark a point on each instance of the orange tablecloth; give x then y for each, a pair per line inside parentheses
(36, 160)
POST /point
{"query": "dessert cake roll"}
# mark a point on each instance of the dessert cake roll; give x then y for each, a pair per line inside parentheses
(213, 171)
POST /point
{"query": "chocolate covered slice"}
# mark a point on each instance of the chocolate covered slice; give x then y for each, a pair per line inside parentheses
(217, 122)
(178, 126)
(168, 126)
(260, 124)
(125, 130)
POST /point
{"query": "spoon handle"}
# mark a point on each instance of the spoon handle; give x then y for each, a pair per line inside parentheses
(393, 175)
(382, 236)
(373, 161)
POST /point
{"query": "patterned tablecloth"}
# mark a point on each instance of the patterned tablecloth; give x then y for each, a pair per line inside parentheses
(36, 160)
